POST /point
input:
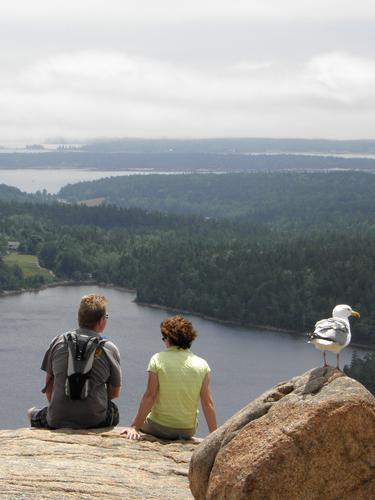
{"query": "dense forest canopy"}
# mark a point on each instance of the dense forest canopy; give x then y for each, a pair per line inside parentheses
(10, 193)
(287, 199)
(363, 369)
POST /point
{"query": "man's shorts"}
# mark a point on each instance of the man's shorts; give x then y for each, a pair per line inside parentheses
(112, 418)
(39, 418)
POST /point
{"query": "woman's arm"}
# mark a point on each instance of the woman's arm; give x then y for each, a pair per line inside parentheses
(208, 405)
(147, 402)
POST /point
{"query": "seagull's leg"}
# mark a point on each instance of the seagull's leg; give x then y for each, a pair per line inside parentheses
(324, 357)
(337, 357)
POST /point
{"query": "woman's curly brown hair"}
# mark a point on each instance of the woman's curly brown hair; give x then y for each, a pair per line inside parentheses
(179, 331)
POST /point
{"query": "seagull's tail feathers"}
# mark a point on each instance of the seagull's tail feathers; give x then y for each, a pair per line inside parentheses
(320, 339)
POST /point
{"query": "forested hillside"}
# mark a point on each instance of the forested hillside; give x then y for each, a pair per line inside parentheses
(290, 200)
(236, 270)
(9, 193)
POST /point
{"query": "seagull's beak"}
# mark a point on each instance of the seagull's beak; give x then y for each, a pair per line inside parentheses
(355, 314)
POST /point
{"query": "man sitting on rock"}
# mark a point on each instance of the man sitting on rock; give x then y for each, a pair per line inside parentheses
(80, 387)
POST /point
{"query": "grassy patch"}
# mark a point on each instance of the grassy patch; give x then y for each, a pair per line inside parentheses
(93, 202)
(29, 265)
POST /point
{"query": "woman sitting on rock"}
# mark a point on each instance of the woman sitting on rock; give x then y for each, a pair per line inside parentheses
(177, 379)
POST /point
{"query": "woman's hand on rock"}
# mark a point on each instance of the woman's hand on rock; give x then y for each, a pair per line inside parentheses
(131, 433)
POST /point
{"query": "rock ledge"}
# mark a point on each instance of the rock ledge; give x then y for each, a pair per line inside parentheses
(67, 464)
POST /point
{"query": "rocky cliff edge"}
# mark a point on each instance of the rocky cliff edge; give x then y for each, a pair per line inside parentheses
(65, 464)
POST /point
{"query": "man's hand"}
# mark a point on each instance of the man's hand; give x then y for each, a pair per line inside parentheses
(131, 433)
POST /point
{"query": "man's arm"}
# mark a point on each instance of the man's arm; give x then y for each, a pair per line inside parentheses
(208, 405)
(49, 386)
(114, 382)
(113, 392)
(147, 402)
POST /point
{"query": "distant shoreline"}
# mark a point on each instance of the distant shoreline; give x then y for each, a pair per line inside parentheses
(55, 284)
(238, 324)
(5, 293)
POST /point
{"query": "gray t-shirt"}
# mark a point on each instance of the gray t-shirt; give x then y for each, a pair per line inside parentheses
(89, 412)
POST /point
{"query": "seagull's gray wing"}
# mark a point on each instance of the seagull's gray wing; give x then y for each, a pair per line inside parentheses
(334, 330)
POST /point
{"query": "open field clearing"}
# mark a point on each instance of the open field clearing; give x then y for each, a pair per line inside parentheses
(29, 265)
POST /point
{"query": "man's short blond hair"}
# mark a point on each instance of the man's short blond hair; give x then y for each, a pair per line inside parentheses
(91, 310)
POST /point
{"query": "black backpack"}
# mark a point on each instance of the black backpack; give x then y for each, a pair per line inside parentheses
(81, 354)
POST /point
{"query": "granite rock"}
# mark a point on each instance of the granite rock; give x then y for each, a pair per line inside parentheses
(312, 437)
(66, 464)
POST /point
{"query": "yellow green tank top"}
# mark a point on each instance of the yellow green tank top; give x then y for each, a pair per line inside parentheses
(180, 374)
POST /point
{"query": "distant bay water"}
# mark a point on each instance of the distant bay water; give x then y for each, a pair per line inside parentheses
(32, 180)
(53, 179)
(244, 362)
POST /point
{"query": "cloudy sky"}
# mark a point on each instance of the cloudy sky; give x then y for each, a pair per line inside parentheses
(81, 69)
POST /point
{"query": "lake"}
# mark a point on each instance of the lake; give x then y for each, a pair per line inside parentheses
(31, 180)
(53, 179)
(244, 362)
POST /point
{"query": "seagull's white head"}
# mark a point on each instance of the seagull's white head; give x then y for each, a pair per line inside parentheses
(344, 311)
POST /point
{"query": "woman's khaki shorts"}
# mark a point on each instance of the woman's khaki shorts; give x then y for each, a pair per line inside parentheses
(168, 433)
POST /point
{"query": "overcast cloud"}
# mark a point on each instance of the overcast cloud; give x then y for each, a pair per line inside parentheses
(89, 68)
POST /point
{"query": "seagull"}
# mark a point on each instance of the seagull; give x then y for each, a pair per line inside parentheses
(333, 334)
